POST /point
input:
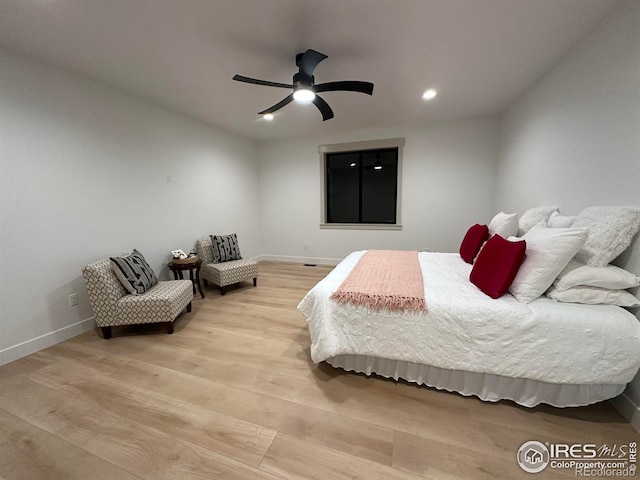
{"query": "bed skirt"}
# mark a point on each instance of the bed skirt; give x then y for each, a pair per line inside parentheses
(488, 387)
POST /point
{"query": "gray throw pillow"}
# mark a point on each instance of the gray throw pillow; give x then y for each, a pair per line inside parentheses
(225, 248)
(134, 272)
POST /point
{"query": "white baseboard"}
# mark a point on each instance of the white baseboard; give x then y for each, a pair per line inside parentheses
(628, 410)
(43, 341)
(290, 259)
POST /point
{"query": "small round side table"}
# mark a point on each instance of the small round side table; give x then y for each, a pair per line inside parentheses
(179, 266)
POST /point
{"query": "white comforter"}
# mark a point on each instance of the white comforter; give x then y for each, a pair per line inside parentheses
(466, 330)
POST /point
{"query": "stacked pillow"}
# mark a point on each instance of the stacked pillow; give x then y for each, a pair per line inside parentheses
(589, 278)
(473, 241)
(504, 224)
(542, 260)
(577, 274)
(560, 221)
(534, 216)
(594, 296)
(611, 230)
(580, 283)
(549, 250)
(499, 260)
(497, 265)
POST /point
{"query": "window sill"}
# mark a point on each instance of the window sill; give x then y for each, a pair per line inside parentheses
(360, 226)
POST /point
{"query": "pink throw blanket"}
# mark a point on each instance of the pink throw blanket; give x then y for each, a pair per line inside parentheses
(384, 279)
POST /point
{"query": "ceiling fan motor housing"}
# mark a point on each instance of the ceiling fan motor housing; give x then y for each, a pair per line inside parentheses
(301, 79)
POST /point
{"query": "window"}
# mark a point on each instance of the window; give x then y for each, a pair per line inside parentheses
(361, 184)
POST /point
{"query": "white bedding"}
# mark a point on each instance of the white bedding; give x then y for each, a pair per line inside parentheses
(468, 331)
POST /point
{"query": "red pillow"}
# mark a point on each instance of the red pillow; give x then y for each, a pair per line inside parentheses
(497, 265)
(472, 242)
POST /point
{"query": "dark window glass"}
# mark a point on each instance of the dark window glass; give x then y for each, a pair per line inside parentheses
(361, 186)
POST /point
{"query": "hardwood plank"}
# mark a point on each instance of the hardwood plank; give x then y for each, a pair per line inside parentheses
(433, 459)
(153, 455)
(359, 438)
(140, 450)
(243, 441)
(24, 365)
(249, 318)
(290, 358)
(292, 459)
(44, 408)
(359, 397)
(27, 452)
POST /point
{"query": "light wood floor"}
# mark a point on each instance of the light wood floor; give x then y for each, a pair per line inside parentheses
(233, 394)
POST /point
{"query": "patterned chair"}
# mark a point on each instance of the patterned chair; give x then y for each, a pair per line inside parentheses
(114, 306)
(225, 273)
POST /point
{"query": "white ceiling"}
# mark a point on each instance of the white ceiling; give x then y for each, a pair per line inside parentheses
(479, 54)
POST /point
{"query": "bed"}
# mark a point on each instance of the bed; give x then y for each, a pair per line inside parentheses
(560, 354)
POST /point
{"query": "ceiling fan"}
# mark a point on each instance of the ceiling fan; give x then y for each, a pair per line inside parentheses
(303, 87)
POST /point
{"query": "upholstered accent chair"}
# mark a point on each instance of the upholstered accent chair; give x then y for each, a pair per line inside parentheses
(114, 306)
(225, 273)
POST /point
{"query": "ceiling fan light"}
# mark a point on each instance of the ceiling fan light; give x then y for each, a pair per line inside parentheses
(304, 95)
(429, 94)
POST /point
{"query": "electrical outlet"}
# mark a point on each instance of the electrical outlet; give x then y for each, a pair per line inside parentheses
(73, 299)
(169, 179)
(305, 246)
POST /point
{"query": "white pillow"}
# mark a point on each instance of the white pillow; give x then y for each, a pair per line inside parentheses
(534, 216)
(548, 252)
(560, 221)
(578, 274)
(594, 296)
(504, 224)
(611, 230)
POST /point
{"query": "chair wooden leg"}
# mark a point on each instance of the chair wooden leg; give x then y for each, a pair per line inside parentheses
(170, 326)
(222, 292)
(189, 307)
(206, 282)
(255, 282)
(106, 332)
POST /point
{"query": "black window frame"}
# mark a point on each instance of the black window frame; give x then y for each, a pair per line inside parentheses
(361, 153)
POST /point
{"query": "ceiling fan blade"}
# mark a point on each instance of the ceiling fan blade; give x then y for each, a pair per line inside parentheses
(309, 60)
(345, 86)
(288, 99)
(324, 108)
(240, 78)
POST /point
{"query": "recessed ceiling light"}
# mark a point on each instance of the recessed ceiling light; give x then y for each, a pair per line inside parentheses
(267, 116)
(429, 94)
(352, 165)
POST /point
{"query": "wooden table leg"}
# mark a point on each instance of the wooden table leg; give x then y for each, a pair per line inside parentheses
(193, 283)
(198, 283)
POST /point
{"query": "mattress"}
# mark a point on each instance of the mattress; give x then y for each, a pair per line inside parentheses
(464, 330)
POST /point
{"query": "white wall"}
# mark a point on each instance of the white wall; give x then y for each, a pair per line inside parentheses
(447, 183)
(83, 175)
(574, 139)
